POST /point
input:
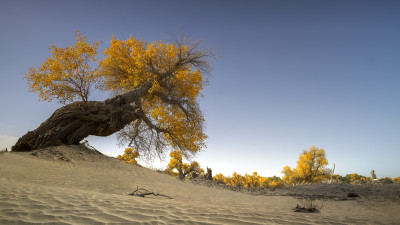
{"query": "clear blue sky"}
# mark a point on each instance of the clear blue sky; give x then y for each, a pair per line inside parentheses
(290, 74)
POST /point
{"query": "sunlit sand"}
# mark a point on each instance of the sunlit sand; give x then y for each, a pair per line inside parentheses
(74, 185)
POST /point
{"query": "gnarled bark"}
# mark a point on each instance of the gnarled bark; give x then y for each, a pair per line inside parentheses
(72, 123)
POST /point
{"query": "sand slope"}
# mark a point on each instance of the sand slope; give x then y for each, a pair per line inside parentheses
(72, 185)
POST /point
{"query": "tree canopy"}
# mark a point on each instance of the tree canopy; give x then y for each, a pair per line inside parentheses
(184, 169)
(310, 167)
(68, 74)
(156, 87)
(171, 114)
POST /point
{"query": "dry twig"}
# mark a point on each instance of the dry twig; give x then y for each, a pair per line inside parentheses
(309, 206)
(141, 192)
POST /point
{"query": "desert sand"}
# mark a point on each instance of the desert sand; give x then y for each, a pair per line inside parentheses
(75, 185)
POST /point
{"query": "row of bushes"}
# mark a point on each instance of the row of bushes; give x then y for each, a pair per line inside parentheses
(291, 176)
(177, 168)
(249, 181)
(356, 178)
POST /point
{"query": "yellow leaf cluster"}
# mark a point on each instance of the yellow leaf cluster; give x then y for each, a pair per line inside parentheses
(129, 63)
(67, 74)
(129, 156)
(173, 119)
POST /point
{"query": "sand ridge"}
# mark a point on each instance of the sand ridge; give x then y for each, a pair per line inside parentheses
(59, 185)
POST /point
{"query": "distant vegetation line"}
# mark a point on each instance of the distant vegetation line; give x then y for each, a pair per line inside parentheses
(311, 168)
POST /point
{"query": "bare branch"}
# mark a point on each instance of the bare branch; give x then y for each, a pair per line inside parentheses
(141, 192)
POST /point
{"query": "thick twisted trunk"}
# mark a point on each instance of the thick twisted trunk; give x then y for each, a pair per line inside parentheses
(72, 123)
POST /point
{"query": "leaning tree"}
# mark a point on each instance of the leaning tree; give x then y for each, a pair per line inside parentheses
(155, 89)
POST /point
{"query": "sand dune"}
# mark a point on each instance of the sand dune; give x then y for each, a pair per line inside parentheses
(73, 185)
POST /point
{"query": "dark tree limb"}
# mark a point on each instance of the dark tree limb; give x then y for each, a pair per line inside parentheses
(72, 123)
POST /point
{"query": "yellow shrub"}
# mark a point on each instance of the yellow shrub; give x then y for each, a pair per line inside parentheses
(129, 156)
(219, 177)
(253, 180)
(263, 181)
(237, 179)
(184, 169)
(228, 181)
(389, 179)
(276, 184)
(354, 177)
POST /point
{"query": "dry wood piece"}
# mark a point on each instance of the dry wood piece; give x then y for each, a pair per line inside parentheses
(208, 175)
(299, 208)
(308, 206)
(373, 175)
(141, 192)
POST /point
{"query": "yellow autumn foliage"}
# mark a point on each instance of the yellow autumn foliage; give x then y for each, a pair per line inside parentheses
(130, 63)
(129, 156)
(310, 167)
(389, 179)
(248, 181)
(67, 75)
(183, 169)
(165, 79)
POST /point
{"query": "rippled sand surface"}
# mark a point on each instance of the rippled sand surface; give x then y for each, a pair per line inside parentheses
(73, 185)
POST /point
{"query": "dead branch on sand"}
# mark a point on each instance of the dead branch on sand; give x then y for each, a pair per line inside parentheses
(141, 192)
(309, 206)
